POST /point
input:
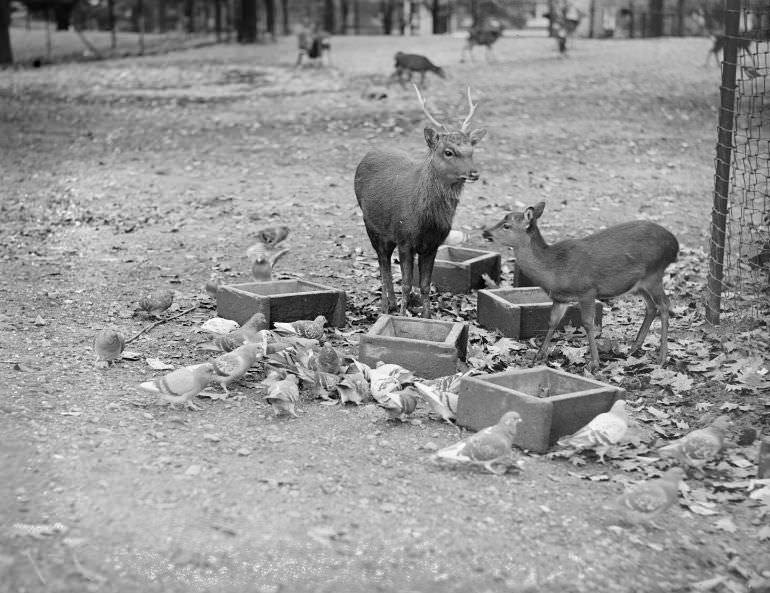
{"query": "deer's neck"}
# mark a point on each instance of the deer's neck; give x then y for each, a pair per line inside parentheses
(436, 199)
(534, 256)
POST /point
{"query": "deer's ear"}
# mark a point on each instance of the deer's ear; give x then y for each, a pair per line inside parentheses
(431, 137)
(538, 209)
(477, 135)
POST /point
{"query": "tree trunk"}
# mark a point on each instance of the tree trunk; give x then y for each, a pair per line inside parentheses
(330, 25)
(6, 54)
(218, 18)
(247, 23)
(345, 11)
(62, 14)
(189, 15)
(270, 17)
(161, 16)
(386, 6)
(656, 18)
(285, 16)
(435, 14)
(356, 17)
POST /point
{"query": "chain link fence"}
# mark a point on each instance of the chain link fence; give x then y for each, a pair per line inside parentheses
(739, 266)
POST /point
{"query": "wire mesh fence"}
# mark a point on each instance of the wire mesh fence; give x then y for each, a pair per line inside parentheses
(739, 267)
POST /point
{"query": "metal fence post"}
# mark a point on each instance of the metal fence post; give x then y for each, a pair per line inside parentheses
(723, 161)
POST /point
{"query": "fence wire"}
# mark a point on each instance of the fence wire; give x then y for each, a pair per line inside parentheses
(739, 284)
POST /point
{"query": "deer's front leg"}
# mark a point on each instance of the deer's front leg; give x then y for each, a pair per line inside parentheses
(406, 258)
(426, 271)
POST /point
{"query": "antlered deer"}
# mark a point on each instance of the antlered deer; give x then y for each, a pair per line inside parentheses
(627, 257)
(410, 204)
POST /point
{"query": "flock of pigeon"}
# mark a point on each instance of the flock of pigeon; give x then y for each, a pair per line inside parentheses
(296, 354)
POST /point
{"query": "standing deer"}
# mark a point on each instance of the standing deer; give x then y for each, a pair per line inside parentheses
(628, 257)
(410, 204)
(486, 36)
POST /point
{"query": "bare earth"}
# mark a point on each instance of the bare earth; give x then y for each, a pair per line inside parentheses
(127, 175)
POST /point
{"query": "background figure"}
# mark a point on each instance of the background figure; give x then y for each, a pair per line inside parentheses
(312, 42)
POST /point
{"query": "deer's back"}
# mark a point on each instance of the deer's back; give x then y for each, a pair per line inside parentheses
(414, 62)
(609, 262)
(386, 185)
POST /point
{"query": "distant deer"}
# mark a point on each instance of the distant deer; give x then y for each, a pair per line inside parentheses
(409, 63)
(486, 36)
(313, 43)
(628, 257)
(410, 203)
(744, 43)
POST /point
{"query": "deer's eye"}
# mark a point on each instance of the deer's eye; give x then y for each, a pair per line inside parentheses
(506, 225)
(449, 153)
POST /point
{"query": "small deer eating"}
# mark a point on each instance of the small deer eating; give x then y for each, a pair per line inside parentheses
(627, 257)
(410, 204)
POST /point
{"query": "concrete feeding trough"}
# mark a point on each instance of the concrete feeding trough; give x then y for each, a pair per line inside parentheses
(458, 269)
(281, 300)
(552, 403)
(427, 347)
(522, 313)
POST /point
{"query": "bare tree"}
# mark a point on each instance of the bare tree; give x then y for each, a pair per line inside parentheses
(270, 17)
(6, 55)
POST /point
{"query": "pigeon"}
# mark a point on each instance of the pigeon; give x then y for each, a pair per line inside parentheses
(263, 261)
(489, 448)
(328, 360)
(601, 433)
(108, 345)
(233, 365)
(181, 385)
(157, 302)
(648, 499)
(399, 403)
(700, 446)
(248, 332)
(303, 328)
(282, 394)
(353, 388)
(214, 285)
(272, 235)
(443, 402)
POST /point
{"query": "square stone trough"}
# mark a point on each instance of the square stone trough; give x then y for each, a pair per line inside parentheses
(552, 403)
(427, 347)
(281, 300)
(458, 269)
(522, 313)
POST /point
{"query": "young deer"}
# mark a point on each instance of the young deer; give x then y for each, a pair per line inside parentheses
(410, 204)
(628, 257)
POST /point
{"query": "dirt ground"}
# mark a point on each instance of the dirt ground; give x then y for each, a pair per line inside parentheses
(128, 175)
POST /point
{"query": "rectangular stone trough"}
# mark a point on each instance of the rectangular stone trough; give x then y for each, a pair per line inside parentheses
(458, 269)
(552, 403)
(281, 300)
(427, 347)
(522, 313)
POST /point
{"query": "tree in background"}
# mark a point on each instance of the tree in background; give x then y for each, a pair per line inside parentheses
(6, 55)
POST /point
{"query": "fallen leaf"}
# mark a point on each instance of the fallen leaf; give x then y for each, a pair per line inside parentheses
(158, 365)
(726, 524)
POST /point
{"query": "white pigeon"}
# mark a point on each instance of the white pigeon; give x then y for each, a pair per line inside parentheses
(601, 433)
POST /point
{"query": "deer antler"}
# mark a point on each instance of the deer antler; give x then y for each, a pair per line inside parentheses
(471, 111)
(432, 119)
